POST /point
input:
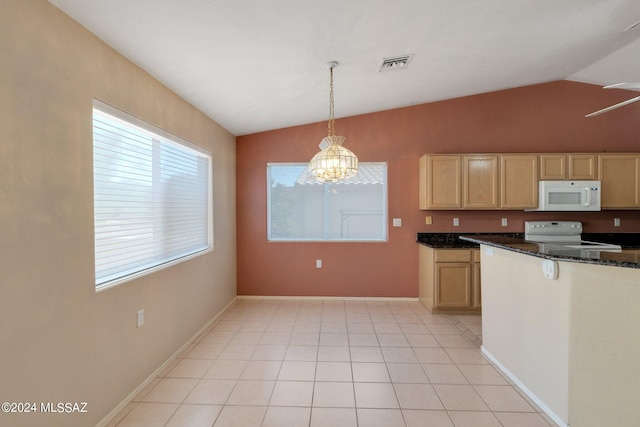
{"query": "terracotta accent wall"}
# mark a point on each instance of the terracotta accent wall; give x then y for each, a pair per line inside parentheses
(60, 340)
(542, 118)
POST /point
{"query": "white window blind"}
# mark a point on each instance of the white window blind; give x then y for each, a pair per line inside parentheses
(152, 197)
(302, 209)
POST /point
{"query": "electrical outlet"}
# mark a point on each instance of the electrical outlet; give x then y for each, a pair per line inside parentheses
(397, 222)
(616, 222)
(140, 318)
(550, 269)
(318, 263)
(456, 222)
(504, 222)
(428, 220)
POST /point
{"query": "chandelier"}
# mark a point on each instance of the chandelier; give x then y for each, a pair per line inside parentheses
(333, 162)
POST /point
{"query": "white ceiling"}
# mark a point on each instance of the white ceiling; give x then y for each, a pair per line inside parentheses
(255, 65)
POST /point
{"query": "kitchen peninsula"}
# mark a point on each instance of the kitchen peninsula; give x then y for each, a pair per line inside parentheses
(567, 336)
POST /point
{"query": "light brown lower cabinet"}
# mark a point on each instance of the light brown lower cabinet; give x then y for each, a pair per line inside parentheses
(450, 280)
(475, 279)
(632, 255)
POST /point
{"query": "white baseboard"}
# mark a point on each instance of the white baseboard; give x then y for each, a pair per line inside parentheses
(556, 419)
(320, 298)
(115, 411)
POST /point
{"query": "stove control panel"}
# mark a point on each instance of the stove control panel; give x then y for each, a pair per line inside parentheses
(539, 230)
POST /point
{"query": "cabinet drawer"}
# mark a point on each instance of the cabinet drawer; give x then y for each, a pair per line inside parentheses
(632, 255)
(453, 255)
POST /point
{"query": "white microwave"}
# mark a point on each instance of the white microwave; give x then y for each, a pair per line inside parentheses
(568, 196)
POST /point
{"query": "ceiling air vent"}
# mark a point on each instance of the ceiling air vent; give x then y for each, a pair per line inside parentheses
(395, 63)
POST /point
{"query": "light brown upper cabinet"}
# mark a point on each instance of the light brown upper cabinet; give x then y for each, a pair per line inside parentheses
(582, 166)
(480, 181)
(553, 166)
(620, 176)
(568, 166)
(440, 182)
(510, 181)
(518, 181)
(459, 181)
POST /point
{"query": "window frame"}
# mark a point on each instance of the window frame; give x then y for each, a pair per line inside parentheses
(385, 213)
(163, 137)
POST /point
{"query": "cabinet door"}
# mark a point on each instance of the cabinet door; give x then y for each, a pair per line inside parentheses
(620, 180)
(453, 285)
(440, 178)
(553, 166)
(568, 166)
(480, 182)
(475, 285)
(582, 166)
(518, 181)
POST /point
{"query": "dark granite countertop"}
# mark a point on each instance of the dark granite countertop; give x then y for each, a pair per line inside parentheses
(518, 244)
(453, 241)
(626, 240)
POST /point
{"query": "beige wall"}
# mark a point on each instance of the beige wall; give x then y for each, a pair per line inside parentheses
(605, 346)
(60, 341)
(525, 325)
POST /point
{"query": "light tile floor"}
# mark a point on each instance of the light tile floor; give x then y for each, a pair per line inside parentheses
(312, 363)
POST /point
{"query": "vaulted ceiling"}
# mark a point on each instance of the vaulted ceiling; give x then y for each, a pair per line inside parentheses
(256, 65)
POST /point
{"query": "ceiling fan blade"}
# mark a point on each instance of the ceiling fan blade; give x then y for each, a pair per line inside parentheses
(629, 86)
(613, 107)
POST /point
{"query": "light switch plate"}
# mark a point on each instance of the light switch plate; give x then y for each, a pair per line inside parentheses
(397, 222)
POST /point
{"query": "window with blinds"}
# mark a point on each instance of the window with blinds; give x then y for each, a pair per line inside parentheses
(152, 197)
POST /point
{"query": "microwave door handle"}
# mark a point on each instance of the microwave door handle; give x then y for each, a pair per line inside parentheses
(588, 201)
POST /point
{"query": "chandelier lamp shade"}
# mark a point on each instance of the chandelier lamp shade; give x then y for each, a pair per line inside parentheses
(334, 162)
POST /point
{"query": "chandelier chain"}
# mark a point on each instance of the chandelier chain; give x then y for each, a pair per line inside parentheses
(331, 124)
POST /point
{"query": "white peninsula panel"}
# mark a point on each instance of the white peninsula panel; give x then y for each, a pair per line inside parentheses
(571, 343)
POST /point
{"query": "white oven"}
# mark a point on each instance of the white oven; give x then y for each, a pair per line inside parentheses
(568, 196)
(564, 238)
